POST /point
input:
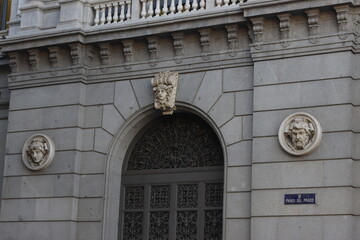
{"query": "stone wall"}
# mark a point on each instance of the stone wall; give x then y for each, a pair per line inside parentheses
(243, 70)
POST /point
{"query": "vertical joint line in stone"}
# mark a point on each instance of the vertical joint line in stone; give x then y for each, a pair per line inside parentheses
(205, 41)
(258, 30)
(284, 25)
(313, 22)
(153, 46)
(178, 46)
(232, 37)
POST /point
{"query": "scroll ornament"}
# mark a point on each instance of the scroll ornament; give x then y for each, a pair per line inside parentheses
(164, 87)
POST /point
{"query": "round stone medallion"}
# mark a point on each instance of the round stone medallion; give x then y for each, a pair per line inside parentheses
(38, 152)
(300, 134)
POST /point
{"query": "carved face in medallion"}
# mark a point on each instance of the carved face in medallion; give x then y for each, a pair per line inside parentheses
(299, 134)
(38, 152)
(38, 149)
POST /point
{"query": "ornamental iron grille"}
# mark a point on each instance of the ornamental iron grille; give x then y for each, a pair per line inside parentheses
(173, 182)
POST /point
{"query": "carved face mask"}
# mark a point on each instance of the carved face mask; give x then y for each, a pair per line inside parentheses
(299, 138)
(161, 93)
(37, 155)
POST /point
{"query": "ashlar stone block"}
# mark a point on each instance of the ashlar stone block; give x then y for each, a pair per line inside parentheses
(240, 154)
(125, 100)
(331, 118)
(237, 79)
(232, 130)
(268, 149)
(209, 91)
(237, 229)
(101, 93)
(307, 94)
(303, 174)
(112, 120)
(41, 209)
(238, 179)
(188, 86)
(316, 67)
(223, 110)
(238, 205)
(143, 91)
(58, 95)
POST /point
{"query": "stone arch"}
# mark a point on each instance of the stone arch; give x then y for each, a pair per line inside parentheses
(117, 155)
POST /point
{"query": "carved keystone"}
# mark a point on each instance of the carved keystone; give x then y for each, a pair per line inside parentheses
(164, 86)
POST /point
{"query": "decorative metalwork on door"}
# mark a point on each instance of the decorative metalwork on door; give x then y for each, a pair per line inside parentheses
(172, 185)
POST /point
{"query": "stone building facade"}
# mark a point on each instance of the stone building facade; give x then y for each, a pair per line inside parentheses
(80, 71)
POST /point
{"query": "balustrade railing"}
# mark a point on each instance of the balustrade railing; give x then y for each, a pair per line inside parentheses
(221, 3)
(122, 10)
(112, 12)
(157, 8)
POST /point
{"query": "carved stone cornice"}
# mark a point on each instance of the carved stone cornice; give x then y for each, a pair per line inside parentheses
(128, 53)
(232, 37)
(343, 19)
(104, 55)
(313, 22)
(284, 25)
(258, 31)
(54, 55)
(153, 47)
(178, 46)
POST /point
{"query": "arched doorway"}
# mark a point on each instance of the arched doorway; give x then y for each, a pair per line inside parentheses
(172, 182)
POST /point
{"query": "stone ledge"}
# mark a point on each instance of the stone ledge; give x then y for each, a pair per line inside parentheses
(254, 8)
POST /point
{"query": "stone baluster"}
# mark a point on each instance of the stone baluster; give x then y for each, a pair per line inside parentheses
(157, 8)
(165, 8)
(179, 7)
(187, 5)
(97, 15)
(102, 19)
(226, 2)
(233, 2)
(195, 5)
(128, 13)
(122, 11)
(143, 9)
(172, 7)
(109, 16)
(151, 9)
(218, 3)
(116, 12)
(202, 4)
